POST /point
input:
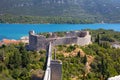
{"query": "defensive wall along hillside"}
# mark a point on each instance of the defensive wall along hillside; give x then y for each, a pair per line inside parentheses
(37, 42)
(54, 67)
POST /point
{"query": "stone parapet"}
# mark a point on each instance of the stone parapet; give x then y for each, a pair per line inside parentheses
(37, 42)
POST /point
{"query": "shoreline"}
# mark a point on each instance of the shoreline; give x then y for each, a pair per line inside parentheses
(53, 23)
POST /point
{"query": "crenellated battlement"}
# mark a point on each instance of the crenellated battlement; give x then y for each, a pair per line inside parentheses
(37, 42)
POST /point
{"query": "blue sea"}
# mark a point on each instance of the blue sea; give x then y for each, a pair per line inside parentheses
(16, 31)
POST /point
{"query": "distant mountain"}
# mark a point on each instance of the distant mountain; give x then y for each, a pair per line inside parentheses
(107, 10)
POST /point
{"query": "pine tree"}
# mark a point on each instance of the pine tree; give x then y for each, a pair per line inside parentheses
(85, 59)
(25, 56)
(104, 67)
(17, 59)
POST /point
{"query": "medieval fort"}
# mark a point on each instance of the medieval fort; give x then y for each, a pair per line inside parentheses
(37, 42)
(54, 67)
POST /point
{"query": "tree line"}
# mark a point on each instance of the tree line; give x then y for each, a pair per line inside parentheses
(7, 18)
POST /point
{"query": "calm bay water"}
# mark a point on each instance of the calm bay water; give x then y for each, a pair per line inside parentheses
(15, 31)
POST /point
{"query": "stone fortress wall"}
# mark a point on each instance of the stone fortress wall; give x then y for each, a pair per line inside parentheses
(37, 42)
(56, 70)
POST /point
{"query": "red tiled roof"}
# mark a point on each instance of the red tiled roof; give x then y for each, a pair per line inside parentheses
(7, 41)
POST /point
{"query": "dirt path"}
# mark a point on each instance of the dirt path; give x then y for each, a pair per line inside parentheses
(90, 59)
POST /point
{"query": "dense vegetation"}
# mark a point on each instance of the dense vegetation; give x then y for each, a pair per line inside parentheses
(97, 10)
(18, 64)
(7, 18)
(73, 66)
(106, 61)
(105, 35)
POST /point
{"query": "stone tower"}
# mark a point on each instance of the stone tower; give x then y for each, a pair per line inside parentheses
(56, 70)
(32, 40)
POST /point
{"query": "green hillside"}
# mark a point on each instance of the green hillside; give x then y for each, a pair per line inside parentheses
(99, 10)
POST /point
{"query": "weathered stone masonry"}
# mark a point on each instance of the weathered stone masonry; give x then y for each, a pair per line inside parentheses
(37, 42)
